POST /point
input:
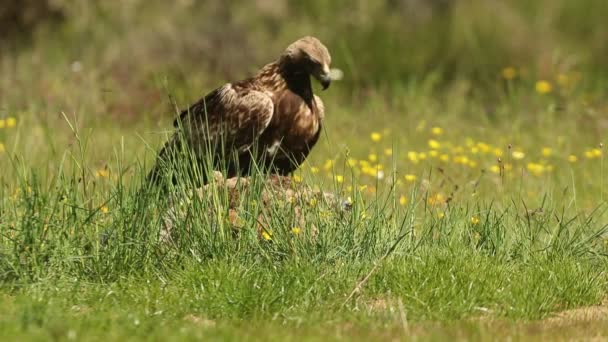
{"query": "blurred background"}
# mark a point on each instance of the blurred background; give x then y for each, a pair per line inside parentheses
(527, 75)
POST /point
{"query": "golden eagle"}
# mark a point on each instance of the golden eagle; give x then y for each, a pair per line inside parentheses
(272, 119)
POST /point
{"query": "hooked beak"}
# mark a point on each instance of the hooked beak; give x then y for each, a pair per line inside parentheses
(324, 78)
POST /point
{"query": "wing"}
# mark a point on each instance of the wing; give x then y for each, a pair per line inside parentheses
(226, 118)
(231, 117)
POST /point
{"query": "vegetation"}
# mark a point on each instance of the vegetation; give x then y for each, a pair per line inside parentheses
(465, 150)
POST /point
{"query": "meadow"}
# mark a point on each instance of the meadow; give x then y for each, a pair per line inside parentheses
(466, 151)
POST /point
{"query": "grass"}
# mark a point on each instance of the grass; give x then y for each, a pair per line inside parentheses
(475, 191)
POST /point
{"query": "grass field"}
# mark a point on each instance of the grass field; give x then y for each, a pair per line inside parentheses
(468, 151)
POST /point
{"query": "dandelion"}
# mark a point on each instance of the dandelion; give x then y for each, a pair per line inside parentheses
(103, 173)
(474, 220)
(433, 153)
(297, 178)
(497, 152)
(441, 214)
(410, 178)
(313, 201)
(509, 73)
(339, 179)
(11, 122)
(437, 131)
(593, 153)
(483, 147)
(422, 156)
(104, 209)
(403, 200)
(351, 162)
(413, 157)
(495, 169)
(388, 151)
(328, 164)
(267, 235)
(434, 144)
(436, 199)
(314, 169)
(296, 230)
(375, 136)
(572, 158)
(535, 168)
(547, 151)
(372, 157)
(444, 158)
(543, 87)
(518, 155)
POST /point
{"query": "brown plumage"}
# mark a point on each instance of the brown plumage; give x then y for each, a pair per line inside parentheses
(272, 118)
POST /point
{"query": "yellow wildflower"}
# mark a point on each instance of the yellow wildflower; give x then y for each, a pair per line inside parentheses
(536, 169)
(403, 200)
(441, 214)
(572, 158)
(422, 156)
(2, 148)
(2, 123)
(543, 87)
(495, 169)
(103, 173)
(444, 158)
(296, 230)
(372, 157)
(483, 147)
(297, 178)
(413, 157)
(375, 136)
(11, 122)
(547, 151)
(314, 169)
(433, 153)
(388, 151)
(518, 155)
(497, 152)
(328, 165)
(339, 179)
(509, 73)
(267, 235)
(436, 199)
(434, 144)
(597, 152)
(437, 131)
(474, 220)
(351, 162)
(104, 209)
(410, 178)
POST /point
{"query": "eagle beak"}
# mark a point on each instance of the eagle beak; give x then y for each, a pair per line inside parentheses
(324, 77)
(325, 81)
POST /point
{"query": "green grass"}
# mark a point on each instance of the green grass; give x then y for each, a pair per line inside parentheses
(478, 207)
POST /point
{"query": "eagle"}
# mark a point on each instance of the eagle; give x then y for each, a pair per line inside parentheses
(270, 121)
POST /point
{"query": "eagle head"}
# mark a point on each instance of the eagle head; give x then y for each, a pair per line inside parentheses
(311, 56)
